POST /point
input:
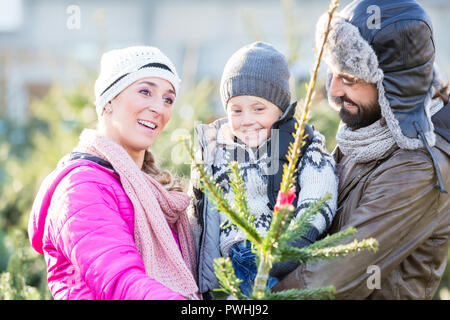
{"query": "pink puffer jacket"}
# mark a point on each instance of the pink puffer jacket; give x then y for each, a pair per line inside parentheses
(83, 222)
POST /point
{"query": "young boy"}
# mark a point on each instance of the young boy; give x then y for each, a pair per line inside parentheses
(256, 133)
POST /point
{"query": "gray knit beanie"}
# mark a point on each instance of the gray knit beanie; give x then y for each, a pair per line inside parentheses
(257, 69)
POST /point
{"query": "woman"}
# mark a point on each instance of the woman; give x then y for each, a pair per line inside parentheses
(109, 222)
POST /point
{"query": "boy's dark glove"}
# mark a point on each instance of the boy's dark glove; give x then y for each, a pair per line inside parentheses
(281, 269)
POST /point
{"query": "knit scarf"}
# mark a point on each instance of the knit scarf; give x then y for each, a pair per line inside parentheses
(156, 211)
(365, 144)
(370, 143)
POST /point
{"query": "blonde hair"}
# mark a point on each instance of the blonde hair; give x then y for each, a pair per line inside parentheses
(164, 177)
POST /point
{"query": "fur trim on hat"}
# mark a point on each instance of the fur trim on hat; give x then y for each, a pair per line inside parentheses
(348, 52)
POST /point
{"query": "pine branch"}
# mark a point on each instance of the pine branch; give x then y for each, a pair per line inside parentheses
(237, 185)
(295, 231)
(294, 152)
(316, 253)
(324, 293)
(345, 249)
(290, 253)
(223, 269)
(278, 227)
(274, 247)
(334, 239)
(262, 275)
(215, 194)
(283, 209)
(301, 225)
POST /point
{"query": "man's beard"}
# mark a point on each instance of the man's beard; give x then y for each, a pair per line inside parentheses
(366, 115)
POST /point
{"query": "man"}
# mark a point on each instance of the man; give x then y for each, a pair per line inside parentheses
(393, 159)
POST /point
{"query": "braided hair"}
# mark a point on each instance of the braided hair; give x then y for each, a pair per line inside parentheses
(164, 177)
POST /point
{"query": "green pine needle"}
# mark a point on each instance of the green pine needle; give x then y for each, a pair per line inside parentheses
(324, 293)
(298, 227)
(334, 239)
(215, 194)
(345, 249)
(237, 185)
(308, 254)
(223, 269)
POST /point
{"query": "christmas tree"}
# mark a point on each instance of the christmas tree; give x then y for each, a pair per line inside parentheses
(274, 247)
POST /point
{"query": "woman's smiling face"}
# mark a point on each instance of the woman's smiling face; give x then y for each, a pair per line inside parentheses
(251, 118)
(139, 113)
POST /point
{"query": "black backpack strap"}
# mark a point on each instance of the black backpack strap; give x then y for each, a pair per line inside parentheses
(284, 138)
(85, 156)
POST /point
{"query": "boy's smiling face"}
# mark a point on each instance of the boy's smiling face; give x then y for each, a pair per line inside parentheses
(251, 118)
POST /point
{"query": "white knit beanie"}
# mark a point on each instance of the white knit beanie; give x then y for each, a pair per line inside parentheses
(120, 68)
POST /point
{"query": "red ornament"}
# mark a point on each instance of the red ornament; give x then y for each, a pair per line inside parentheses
(285, 200)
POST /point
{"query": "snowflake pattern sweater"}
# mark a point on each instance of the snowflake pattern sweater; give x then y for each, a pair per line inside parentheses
(317, 176)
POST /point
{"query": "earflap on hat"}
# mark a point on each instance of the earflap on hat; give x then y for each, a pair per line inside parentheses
(348, 52)
(397, 56)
